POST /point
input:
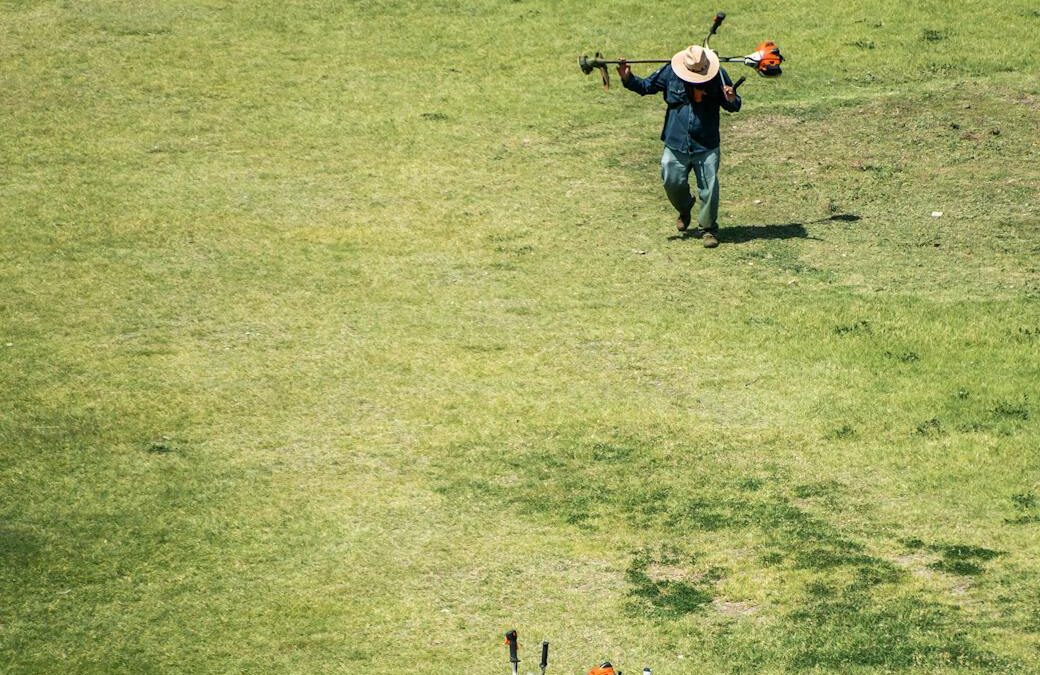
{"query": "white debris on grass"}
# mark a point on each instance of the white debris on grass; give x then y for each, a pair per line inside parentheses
(936, 214)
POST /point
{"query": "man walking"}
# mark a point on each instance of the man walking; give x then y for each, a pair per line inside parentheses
(694, 87)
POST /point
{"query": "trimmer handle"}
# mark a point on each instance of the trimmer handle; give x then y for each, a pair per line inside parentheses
(739, 82)
(511, 641)
(719, 18)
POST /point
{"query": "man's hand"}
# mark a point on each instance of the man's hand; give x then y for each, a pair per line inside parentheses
(624, 71)
(729, 92)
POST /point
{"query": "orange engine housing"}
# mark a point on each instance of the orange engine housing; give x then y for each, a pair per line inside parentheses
(768, 56)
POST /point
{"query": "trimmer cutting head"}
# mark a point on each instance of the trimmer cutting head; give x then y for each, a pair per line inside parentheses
(597, 62)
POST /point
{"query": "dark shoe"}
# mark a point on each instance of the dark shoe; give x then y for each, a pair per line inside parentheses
(708, 238)
(682, 222)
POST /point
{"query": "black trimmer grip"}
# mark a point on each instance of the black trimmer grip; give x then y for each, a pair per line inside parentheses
(545, 655)
(739, 82)
(511, 641)
(719, 18)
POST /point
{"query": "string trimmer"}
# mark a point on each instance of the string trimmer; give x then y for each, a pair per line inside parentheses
(604, 668)
(766, 58)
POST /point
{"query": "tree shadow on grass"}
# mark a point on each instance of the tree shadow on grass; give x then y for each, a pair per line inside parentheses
(18, 546)
(739, 234)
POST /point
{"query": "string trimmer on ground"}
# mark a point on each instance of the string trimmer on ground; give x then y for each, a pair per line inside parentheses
(765, 60)
(512, 642)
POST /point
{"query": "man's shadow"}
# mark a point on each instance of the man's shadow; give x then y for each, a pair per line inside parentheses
(739, 234)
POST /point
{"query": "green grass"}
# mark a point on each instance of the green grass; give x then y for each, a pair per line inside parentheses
(346, 336)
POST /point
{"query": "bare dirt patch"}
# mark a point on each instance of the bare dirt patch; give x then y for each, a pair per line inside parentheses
(733, 608)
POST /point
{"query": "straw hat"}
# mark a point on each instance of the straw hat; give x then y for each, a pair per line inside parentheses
(696, 64)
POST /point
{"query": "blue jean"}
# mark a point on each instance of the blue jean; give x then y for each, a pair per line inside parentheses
(675, 173)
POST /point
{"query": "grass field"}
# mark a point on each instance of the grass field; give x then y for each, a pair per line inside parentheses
(344, 336)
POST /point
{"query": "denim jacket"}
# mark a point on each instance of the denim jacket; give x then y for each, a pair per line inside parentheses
(689, 126)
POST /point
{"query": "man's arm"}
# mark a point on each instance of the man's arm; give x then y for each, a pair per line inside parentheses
(649, 85)
(730, 98)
